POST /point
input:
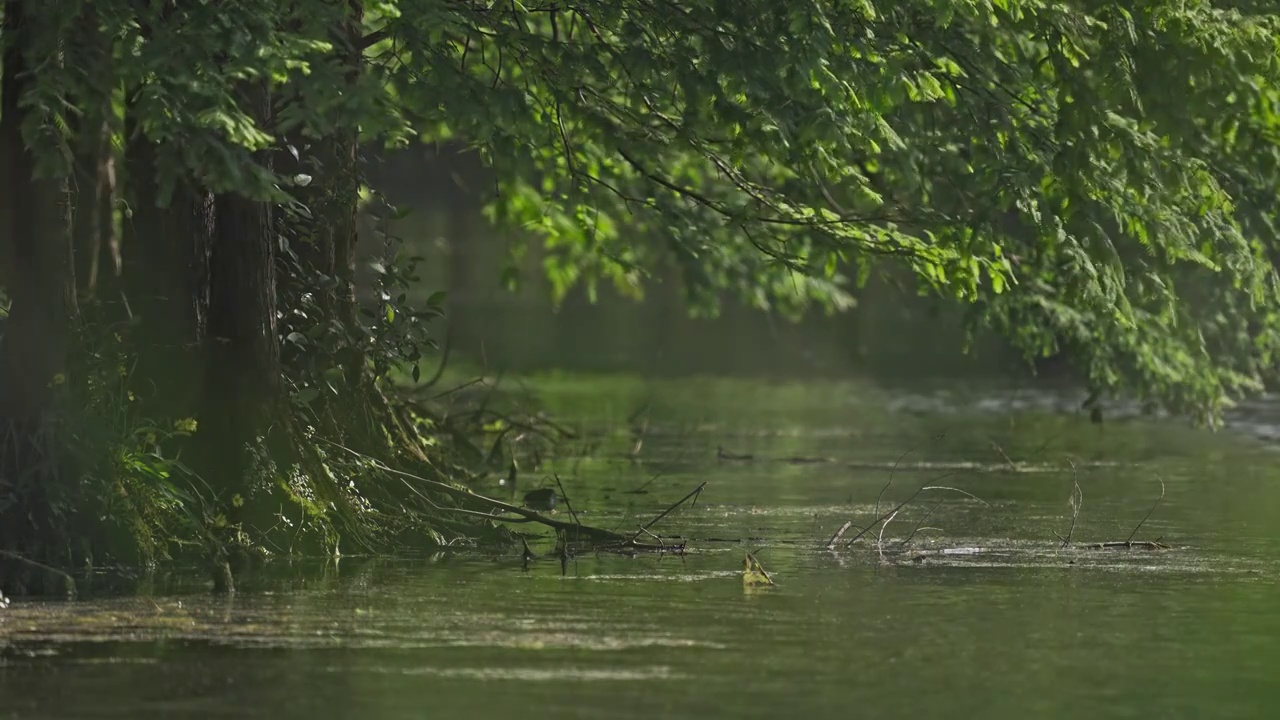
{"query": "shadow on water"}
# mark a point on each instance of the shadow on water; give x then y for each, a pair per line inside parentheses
(1021, 628)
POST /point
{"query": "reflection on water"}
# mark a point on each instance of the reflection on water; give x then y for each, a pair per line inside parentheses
(1022, 627)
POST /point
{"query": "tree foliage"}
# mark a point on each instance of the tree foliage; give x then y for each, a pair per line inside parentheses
(1094, 177)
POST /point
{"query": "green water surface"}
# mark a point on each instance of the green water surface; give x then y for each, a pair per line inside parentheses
(1019, 628)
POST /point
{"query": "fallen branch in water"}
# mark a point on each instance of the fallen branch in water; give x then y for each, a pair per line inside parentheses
(901, 505)
(882, 521)
(1006, 465)
(1130, 545)
(831, 544)
(603, 539)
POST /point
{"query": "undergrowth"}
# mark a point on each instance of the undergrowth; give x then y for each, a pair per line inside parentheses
(347, 466)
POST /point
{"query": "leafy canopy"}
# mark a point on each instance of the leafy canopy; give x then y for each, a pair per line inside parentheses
(1090, 176)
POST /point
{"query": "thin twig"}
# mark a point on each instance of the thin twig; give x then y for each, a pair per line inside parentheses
(892, 470)
(524, 514)
(641, 489)
(880, 539)
(565, 495)
(916, 529)
(655, 537)
(957, 490)
(1077, 502)
(901, 505)
(1149, 512)
(693, 494)
(444, 359)
(1000, 450)
(463, 386)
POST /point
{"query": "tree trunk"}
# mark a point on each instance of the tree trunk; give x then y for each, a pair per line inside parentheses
(242, 349)
(166, 286)
(328, 241)
(94, 223)
(336, 204)
(43, 298)
(94, 173)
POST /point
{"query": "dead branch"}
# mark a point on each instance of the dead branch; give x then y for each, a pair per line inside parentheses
(1129, 545)
(880, 539)
(892, 470)
(567, 504)
(916, 529)
(957, 490)
(753, 564)
(1149, 512)
(643, 488)
(693, 494)
(901, 505)
(495, 506)
(1077, 502)
(831, 544)
(1000, 451)
(655, 537)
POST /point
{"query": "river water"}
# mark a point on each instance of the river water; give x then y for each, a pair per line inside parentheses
(981, 613)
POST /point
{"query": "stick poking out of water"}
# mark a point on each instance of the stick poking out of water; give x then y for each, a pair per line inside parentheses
(831, 544)
(1149, 512)
(895, 510)
(1077, 501)
(568, 505)
(693, 494)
